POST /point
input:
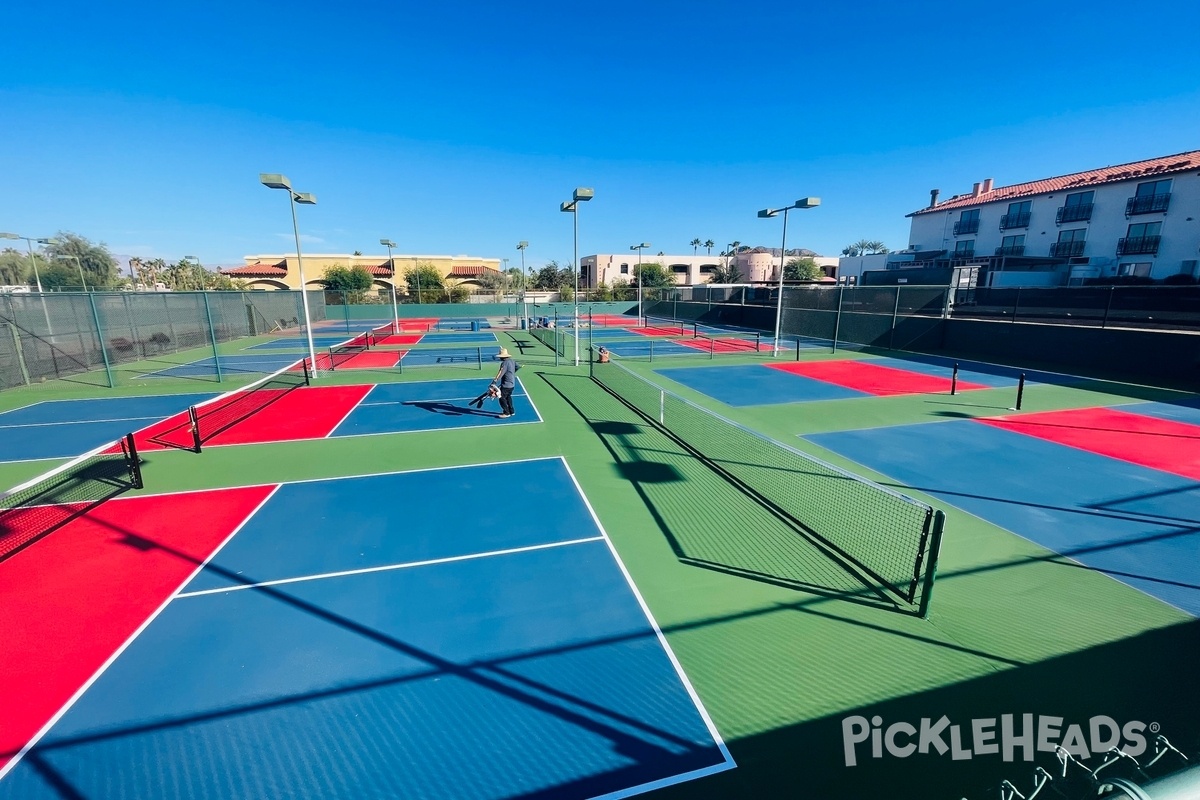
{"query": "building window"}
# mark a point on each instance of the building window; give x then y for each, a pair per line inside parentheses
(1017, 216)
(968, 222)
(1141, 239)
(624, 269)
(1012, 246)
(708, 269)
(965, 249)
(1077, 208)
(1140, 269)
(1151, 197)
(1070, 243)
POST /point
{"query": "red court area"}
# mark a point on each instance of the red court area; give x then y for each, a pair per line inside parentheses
(1147, 441)
(398, 338)
(310, 412)
(367, 359)
(661, 330)
(417, 323)
(613, 320)
(74, 597)
(731, 345)
(863, 376)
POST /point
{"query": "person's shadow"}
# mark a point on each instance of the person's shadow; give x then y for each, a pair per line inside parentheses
(448, 409)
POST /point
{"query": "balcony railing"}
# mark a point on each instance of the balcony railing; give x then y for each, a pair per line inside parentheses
(1067, 249)
(1020, 220)
(1011, 250)
(1147, 204)
(1138, 245)
(963, 254)
(1076, 213)
(964, 226)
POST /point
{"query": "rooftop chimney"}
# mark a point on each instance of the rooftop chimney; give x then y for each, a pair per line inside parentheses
(976, 190)
(933, 196)
(987, 185)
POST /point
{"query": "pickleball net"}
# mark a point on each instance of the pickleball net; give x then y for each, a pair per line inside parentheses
(39, 506)
(223, 412)
(890, 540)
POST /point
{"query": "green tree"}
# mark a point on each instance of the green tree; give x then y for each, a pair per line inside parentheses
(99, 266)
(57, 276)
(353, 281)
(802, 269)
(865, 247)
(425, 283)
(695, 243)
(14, 267)
(602, 292)
(708, 246)
(653, 275)
(727, 273)
(623, 290)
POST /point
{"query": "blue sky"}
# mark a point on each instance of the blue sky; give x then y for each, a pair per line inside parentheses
(458, 128)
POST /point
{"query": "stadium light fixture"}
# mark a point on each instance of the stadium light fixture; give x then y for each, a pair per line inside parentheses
(572, 207)
(276, 181)
(806, 202)
(389, 244)
(523, 246)
(639, 248)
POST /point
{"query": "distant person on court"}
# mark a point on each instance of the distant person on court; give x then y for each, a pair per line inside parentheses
(506, 379)
(602, 353)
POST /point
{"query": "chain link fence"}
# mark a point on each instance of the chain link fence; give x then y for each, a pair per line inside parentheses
(105, 339)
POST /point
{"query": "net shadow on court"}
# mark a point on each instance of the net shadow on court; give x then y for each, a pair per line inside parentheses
(709, 522)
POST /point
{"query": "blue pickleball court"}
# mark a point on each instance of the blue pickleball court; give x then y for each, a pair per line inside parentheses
(408, 635)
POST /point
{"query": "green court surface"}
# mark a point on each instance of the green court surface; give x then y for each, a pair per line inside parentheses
(1012, 630)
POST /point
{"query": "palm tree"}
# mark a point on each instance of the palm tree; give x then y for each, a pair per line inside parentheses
(695, 243)
(708, 246)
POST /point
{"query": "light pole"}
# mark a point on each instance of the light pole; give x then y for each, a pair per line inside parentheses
(78, 263)
(389, 244)
(523, 246)
(572, 207)
(277, 181)
(36, 277)
(807, 202)
(639, 248)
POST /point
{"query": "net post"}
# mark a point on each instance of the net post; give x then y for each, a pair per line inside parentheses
(479, 357)
(133, 462)
(195, 420)
(307, 374)
(332, 364)
(712, 348)
(837, 320)
(954, 380)
(931, 563)
(662, 406)
(1020, 391)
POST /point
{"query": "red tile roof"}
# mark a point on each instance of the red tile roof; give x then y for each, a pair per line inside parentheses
(257, 270)
(470, 272)
(377, 270)
(1150, 168)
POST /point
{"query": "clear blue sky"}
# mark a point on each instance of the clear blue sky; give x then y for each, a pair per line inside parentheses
(458, 128)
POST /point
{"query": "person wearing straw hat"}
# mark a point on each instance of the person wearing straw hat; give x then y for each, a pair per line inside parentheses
(506, 379)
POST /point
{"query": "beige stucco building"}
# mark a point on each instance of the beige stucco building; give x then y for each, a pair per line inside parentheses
(273, 271)
(756, 265)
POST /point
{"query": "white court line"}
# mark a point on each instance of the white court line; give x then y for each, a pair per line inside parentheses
(662, 639)
(87, 421)
(112, 658)
(391, 567)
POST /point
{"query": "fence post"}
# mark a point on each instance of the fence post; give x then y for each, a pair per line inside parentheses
(895, 314)
(662, 404)
(212, 332)
(16, 339)
(1017, 304)
(1108, 307)
(100, 340)
(837, 320)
